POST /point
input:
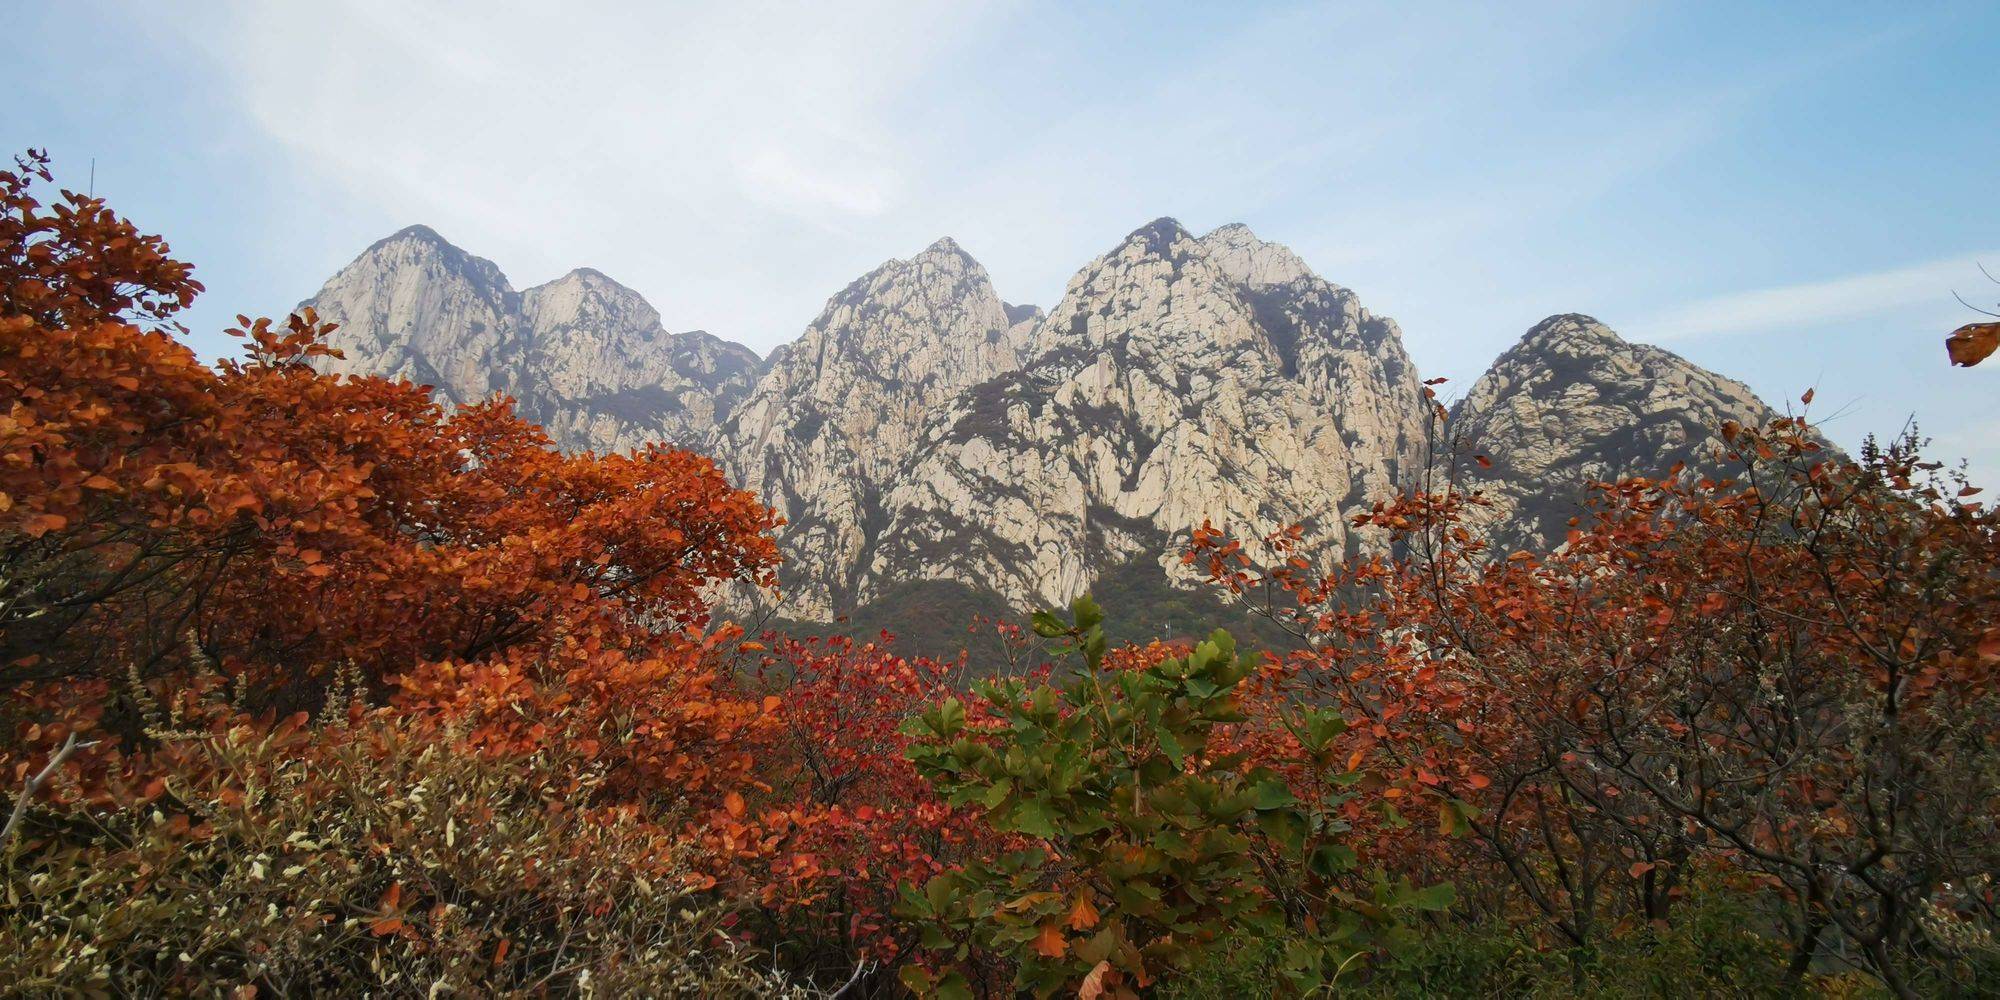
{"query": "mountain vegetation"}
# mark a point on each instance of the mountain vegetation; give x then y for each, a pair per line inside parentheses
(319, 680)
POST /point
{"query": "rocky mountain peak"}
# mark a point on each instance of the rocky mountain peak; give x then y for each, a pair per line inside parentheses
(586, 299)
(924, 433)
(1164, 390)
(1156, 293)
(421, 246)
(1163, 237)
(1572, 334)
(1252, 261)
(837, 412)
(1574, 403)
(945, 246)
(585, 356)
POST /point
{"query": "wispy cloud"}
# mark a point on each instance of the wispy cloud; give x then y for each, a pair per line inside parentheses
(1850, 297)
(729, 161)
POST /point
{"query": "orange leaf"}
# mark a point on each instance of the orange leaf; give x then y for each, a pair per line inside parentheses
(733, 804)
(1970, 344)
(1050, 943)
(42, 524)
(1082, 916)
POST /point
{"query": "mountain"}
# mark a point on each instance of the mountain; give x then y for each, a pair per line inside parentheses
(1179, 380)
(826, 428)
(585, 356)
(937, 451)
(1573, 403)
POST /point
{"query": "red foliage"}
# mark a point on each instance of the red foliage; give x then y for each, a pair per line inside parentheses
(849, 818)
(1779, 673)
(169, 530)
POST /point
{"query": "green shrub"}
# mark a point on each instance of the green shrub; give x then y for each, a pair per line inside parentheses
(1145, 842)
(1712, 949)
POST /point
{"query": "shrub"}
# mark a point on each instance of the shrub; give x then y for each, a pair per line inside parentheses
(1789, 675)
(291, 861)
(1138, 840)
(1713, 948)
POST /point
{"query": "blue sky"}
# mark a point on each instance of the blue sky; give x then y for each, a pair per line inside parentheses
(1786, 194)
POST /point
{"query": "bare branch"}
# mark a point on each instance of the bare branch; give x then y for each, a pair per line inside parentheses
(34, 785)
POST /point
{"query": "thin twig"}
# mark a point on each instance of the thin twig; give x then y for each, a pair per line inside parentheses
(34, 785)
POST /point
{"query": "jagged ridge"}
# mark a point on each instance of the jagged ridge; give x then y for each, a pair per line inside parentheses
(922, 429)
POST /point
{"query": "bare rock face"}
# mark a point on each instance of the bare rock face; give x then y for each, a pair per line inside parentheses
(924, 432)
(1572, 404)
(415, 307)
(583, 355)
(1179, 380)
(836, 413)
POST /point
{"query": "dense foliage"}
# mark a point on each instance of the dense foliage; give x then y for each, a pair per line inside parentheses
(1784, 677)
(313, 686)
(1141, 842)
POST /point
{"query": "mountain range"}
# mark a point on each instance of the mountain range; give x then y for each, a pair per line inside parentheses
(934, 448)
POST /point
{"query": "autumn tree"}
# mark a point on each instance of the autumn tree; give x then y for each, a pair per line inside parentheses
(199, 559)
(1785, 673)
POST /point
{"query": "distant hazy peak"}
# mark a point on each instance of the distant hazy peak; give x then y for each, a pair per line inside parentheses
(417, 232)
(945, 246)
(587, 297)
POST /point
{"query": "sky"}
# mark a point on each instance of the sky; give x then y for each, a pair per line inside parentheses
(1787, 194)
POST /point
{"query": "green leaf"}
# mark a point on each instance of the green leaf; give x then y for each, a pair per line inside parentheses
(1086, 611)
(1033, 817)
(1047, 625)
(1093, 647)
(1436, 898)
(1454, 817)
(954, 987)
(938, 892)
(1332, 859)
(997, 793)
(1272, 794)
(1170, 746)
(916, 980)
(950, 718)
